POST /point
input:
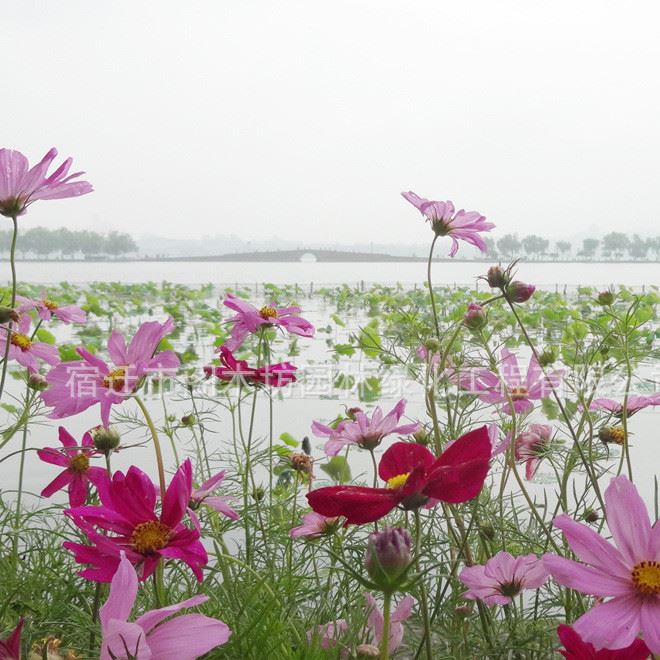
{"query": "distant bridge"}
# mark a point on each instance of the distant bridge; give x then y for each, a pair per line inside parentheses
(281, 256)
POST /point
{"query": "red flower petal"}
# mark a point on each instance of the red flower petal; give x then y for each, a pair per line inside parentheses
(358, 504)
(404, 457)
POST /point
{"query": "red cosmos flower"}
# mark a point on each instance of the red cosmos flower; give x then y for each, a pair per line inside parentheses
(576, 649)
(78, 472)
(10, 648)
(129, 522)
(275, 375)
(413, 476)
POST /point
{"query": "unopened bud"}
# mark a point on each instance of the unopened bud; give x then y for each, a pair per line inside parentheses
(37, 382)
(351, 413)
(421, 437)
(8, 314)
(612, 435)
(258, 493)
(487, 532)
(106, 440)
(188, 420)
(432, 345)
(306, 446)
(463, 610)
(388, 556)
(367, 651)
(547, 357)
(606, 298)
(519, 292)
(591, 516)
(497, 277)
(475, 317)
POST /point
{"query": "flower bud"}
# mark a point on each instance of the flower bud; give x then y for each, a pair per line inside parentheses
(388, 556)
(188, 420)
(432, 345)
(591, 516)
(8, 314)
(487, 532)
(519, 292)
(612, 435)
(351, 413)
(258, 493)
(475, 317)
(422, 437)
(306, 446)
(547, 357)
(301, 463)
(106, 440)
(367, 651)
(463, 610)
(605, 298)
(497, 277)
(37, 382)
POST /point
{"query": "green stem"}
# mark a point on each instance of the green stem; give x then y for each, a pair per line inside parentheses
(385, 639)
(422, 589)
(154, 436)
(430, 285)
(21, 473)
(12, 263)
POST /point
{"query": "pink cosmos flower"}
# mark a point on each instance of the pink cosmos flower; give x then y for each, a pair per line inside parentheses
(20, 186)
(46, 309)
(78, 472)
(364, 431)
(503, 577)
(464, 225)
(635, 403)
(128, 522)
(532, 446)
(202, 495)
(375, 621)
(626, 573)
(75, 386)
(233, 370)
(154, 634)
(329, 634)
(314, 525)
(10, 648)
(23, 349)
(576, 649)
(249, 319)
(492, 388)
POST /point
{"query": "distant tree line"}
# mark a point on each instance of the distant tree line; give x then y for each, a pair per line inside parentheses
(68, 243)
(614, 246)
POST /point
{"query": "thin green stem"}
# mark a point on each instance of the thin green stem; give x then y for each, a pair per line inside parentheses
(157, 449)
(385, 638)
(422, 589)
(12, 263)
(430, 285)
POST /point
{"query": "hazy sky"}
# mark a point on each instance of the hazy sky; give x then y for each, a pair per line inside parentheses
(306, 119)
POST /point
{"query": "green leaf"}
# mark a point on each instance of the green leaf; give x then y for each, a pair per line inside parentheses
(338, 469)
(345, 349)
(289, 440)
(45, 336)
(369, 389)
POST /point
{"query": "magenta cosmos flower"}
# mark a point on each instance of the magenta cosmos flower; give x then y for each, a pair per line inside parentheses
(314, 525)
(154, 634)
(202, 495)
(10, 648)
(77, 385)
(493, 388)
(503, 577)
(77, 473)
(576, 649)
(634, 404)
(128, 522)
(238, 371)
(46, 309)
(626, 573)
(23, 349)
(365, 432)
(464, 225)
(249, 319)
(532, 447)
(20, 185)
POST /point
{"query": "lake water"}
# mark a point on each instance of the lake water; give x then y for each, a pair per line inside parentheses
(544, 275)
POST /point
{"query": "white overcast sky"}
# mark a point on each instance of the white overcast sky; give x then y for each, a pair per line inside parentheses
(306, 119)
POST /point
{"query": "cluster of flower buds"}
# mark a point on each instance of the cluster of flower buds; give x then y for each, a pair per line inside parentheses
(514, 291)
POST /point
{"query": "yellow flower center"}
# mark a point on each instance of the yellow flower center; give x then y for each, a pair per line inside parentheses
(79, 463)
(519, 392)
(115, 380)
(397, 482)
(49, 304)
(646, 577)
(149, 537)
(268, 312)
(22, 341)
